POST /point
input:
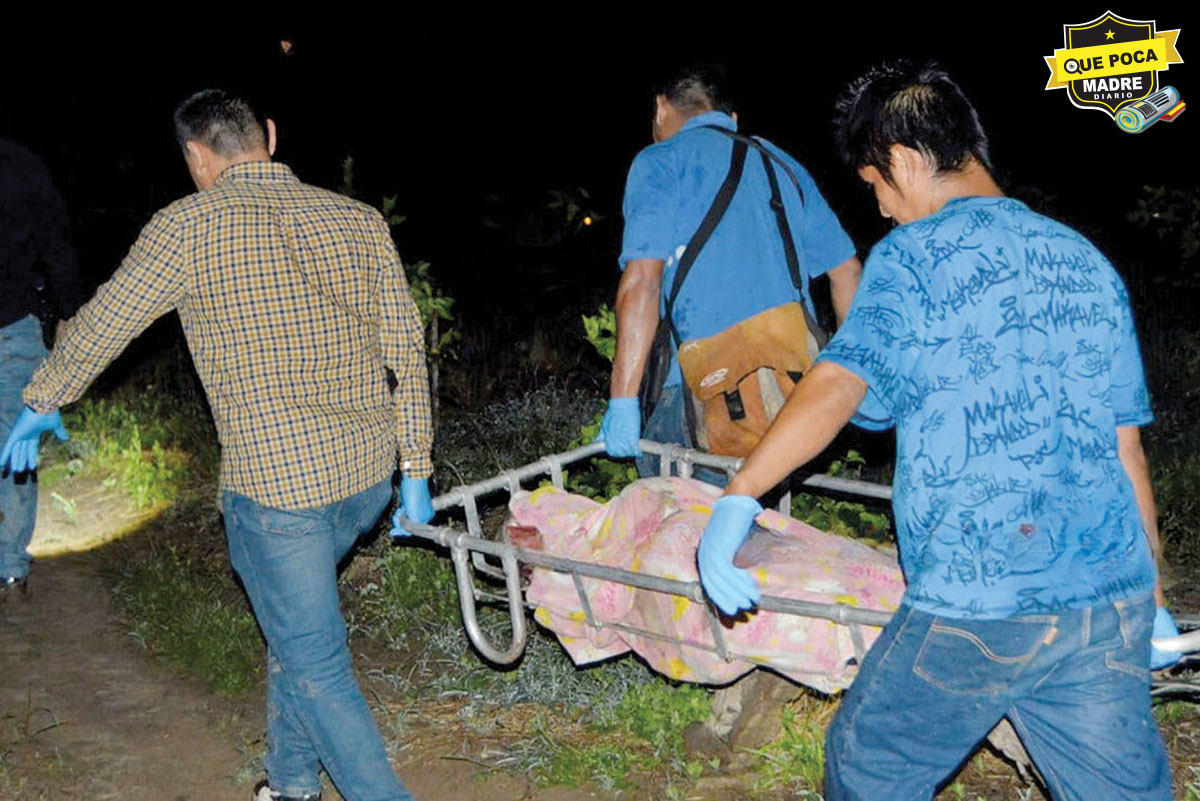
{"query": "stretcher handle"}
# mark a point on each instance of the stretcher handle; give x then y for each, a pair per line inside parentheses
(467, 597)
(1182, 643)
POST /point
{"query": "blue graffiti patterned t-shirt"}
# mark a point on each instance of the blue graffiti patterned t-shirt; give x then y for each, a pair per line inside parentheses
(1001, 345)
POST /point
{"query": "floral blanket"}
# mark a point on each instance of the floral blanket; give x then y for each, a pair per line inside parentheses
(654, 527)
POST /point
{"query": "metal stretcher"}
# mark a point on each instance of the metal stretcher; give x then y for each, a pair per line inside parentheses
(475, 554)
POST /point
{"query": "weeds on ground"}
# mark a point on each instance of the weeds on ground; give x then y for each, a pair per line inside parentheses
(410, 594)
(594, 724)
(658, 712)
(137, 440)
(796, 761)
(471, 446)
(1191, 790)
(641, 734)
(184, 608)
(1170, 713)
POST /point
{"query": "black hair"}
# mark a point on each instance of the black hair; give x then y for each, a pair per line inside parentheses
(916, 106)
(224, 122)
(698, 88)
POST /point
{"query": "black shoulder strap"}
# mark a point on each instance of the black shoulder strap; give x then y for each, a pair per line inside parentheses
(715, 212)
(766, 152)
(785, 230)
(781, 221)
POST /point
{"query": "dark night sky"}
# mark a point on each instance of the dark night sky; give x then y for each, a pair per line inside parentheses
(444, 112)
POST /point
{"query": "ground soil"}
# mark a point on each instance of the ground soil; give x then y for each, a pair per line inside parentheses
(86, 713)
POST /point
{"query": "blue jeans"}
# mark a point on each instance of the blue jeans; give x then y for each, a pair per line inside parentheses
(1075, 685)
(668, 425)
(316, 714)
(21, 351)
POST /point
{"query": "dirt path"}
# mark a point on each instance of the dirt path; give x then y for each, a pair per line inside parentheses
(86, 715)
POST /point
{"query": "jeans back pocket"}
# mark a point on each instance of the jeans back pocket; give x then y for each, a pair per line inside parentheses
(980, 656)
(1134, 622)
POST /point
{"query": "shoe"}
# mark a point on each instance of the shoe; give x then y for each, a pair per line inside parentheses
(263, 792)
(14, 590)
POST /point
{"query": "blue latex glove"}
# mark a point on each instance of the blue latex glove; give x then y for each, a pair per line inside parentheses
(728, 586)
(20, 451)
(415, 504)
(621, 428)
(1164, 626)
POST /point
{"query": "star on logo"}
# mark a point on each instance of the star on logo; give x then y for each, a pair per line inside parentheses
(1108, 34)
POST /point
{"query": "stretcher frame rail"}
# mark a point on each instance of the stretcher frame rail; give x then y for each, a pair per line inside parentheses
(471, 550)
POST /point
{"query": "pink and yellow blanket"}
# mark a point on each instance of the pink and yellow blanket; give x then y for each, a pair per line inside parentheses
(654, 527)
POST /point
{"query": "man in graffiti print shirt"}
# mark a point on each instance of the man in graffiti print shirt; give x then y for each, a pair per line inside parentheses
(1001, 346)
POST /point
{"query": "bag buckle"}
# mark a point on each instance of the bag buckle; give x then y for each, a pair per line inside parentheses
(734, 405)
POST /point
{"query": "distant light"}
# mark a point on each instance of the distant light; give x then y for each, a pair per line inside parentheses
(285, 46)
(587, 220)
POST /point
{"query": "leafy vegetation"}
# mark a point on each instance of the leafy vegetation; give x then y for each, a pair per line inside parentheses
(844, 518)
(139, 440)
(600, 329)
(603, 478)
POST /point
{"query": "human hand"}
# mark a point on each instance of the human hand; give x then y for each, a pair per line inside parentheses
(621, 428)
(415, 504)
(729, 587)
(20, 451)
(1164, 626)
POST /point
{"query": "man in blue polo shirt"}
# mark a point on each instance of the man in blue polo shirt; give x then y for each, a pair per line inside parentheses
(1001, 346)
(741, 270)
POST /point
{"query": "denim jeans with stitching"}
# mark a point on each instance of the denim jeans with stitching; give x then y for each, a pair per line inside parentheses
(1075, 685)
(21, 351)
(317, 716)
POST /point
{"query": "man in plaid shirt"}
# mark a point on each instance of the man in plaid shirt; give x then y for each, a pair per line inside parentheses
(295, 306)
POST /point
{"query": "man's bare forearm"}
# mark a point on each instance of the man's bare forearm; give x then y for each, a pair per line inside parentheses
(818, 408)
(843, 283)
(637, 321)
(1137, 467)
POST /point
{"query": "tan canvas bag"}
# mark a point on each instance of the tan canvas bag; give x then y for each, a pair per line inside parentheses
(740, 378)
(737, 381)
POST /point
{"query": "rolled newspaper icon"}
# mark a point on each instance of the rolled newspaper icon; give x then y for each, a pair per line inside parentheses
(1141, 115)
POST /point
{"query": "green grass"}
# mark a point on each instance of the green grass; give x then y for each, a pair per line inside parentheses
(642, 735)
(618, 716)
(796, 761)
(658, 712)
(410, 590)
(183, 606)
(1191, 788)
(140, 443)
(551, 760)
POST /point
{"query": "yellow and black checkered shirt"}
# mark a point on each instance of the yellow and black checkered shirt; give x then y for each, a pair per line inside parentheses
(293, 301)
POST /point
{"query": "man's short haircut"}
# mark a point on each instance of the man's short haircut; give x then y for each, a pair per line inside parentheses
(698, 88)
(916, 106)
(221, 121)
